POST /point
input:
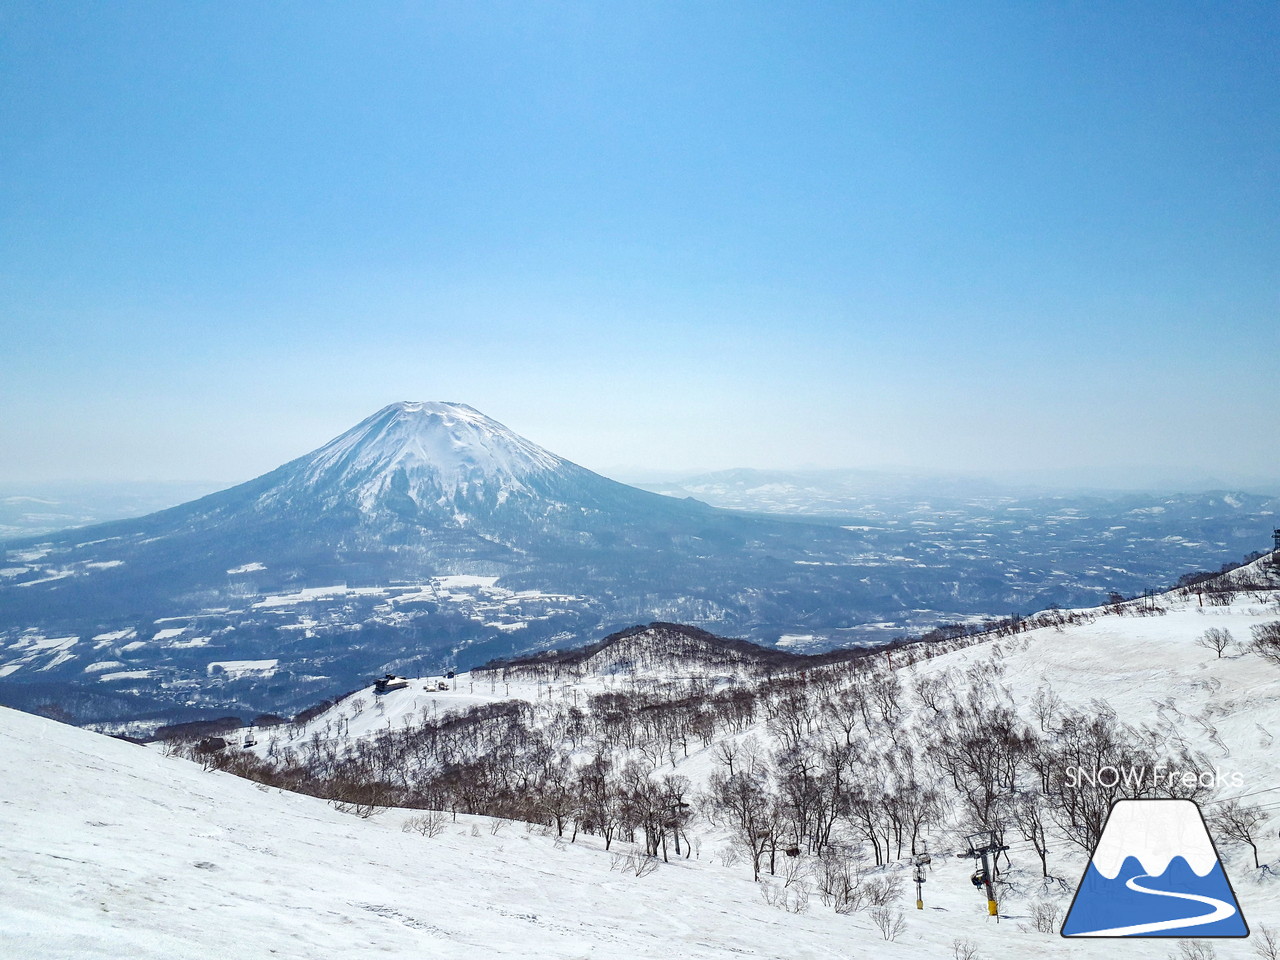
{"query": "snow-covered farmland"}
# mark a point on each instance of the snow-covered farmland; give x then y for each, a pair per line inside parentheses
(239, 668)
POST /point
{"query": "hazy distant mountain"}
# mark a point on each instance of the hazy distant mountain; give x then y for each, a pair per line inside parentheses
(805, 492)
(34, 508)
(846, 492)
(429, 535)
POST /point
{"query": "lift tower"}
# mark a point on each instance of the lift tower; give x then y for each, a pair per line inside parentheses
(981, 846)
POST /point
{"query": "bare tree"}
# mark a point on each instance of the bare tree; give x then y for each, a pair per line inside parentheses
(1080, 799)
(980, 752)
(793, 717)
(1241, 822)
(1045, 705)
(429, 824)
(598, 798)
(1266, 942)
(1030, 812)
(841, 879)
(929, 691)
(1045, 915)
(679, 812)
(726, 752)
(1266, 641)
(743, 804)
(1216, 640)
(888, 921)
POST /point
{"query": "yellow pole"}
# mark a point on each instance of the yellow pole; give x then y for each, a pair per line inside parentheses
(991, 908)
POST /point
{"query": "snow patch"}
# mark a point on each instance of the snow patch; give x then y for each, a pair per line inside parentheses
(112, 636)
(57, 576)
(463, 582)
(102, 665)
(29, 556)
(240, 668)
(188, 644)
(315, 593)
(36, 642)
(58, 661)
(795, 639)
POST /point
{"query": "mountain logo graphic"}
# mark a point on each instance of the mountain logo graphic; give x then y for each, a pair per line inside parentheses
(1155, 873)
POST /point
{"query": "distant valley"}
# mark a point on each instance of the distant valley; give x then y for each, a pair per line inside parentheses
(1066, 548)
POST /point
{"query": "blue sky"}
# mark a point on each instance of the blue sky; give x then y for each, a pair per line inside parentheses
(979, 237)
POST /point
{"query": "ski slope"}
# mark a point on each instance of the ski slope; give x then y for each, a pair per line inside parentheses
(111, 850)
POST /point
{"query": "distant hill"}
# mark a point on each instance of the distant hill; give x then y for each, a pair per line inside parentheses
(664, 649)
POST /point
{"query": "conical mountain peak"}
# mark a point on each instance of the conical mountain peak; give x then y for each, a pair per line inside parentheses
(445, 409)
(430, 451)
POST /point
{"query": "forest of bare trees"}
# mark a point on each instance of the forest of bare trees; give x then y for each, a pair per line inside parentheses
(857, 764)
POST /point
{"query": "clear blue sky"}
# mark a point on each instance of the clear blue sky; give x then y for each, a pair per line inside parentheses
(982, 236)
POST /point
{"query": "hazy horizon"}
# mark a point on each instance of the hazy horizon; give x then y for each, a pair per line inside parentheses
(1064, 480)
(1071, 478)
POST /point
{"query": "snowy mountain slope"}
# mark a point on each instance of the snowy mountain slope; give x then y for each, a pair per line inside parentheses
(682, 660)
(116, 851)
(1149, 669)
(1143, 663)
(440, 448)
(148, 855)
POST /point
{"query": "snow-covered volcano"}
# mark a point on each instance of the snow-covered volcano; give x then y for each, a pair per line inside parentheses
(425, 530)
(416, 489)
(430, 452)
(437, 466)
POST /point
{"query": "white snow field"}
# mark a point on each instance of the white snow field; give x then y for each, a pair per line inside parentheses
(111, 850)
